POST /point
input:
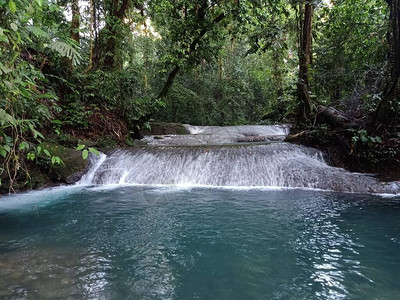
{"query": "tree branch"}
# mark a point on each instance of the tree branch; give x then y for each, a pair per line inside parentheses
(172, 75)
(192, 49)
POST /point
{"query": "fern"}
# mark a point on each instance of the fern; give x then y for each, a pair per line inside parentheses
(38, 32)
(66, 50)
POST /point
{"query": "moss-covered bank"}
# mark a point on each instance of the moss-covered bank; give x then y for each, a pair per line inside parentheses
(43, 173)
(354, 150)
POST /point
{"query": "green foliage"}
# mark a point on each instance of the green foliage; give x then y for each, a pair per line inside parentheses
(123, 91)
(68, 50)
(350, 42)
(107, 141)
(211, 101)
(86, 150)
(12, 6)
(362, 136)
(75, 113)
(369, 148)
(25, 102)
(241, 88)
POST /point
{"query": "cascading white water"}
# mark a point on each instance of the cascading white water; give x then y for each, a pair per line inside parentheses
(217, 135)
(96, 162)
(273, 164)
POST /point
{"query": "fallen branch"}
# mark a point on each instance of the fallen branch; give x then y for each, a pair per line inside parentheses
(331, 116)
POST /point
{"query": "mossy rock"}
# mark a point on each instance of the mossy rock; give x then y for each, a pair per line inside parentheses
(165, 129)
(74, 166)
(68, 140)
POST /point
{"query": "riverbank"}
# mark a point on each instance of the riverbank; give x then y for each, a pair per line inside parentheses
(43, 173)
(354, 150)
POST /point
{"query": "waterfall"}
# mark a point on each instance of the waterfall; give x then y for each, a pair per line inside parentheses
(228, 162)
(95, 162)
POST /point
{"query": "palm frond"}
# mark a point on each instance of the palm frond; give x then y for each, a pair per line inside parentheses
(66, 50)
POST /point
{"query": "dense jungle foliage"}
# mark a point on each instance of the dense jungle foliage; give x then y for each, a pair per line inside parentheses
(72, 70)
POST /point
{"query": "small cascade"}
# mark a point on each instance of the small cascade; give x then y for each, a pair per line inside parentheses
(274, 164)
(95, 162)
(217, 135)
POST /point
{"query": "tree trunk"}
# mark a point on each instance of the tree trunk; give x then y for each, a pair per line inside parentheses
(335, 118)
(171, 77)
(220, 67)
(394, 60)
(192, 49)
(75, 24)
(305, 39)
(107, 42)
(91, 11)
(110, 48)
(168, 83)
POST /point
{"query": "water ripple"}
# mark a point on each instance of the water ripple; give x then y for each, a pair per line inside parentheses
(170, 243)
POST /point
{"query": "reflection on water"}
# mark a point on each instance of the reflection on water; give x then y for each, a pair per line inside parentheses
(329, 252)
(51, 272)
(170, 243)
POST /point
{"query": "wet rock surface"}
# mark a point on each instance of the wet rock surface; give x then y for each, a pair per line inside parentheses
(165, 129)
(73, 167)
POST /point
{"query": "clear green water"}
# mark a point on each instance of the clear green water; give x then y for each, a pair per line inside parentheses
(171, 243)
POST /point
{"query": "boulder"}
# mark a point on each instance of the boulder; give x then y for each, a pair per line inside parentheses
(165, 129)
(73, 167)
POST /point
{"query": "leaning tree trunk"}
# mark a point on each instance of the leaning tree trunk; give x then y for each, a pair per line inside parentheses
(394, 60)
(171, 76)
(303, 86)
(190, 51)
